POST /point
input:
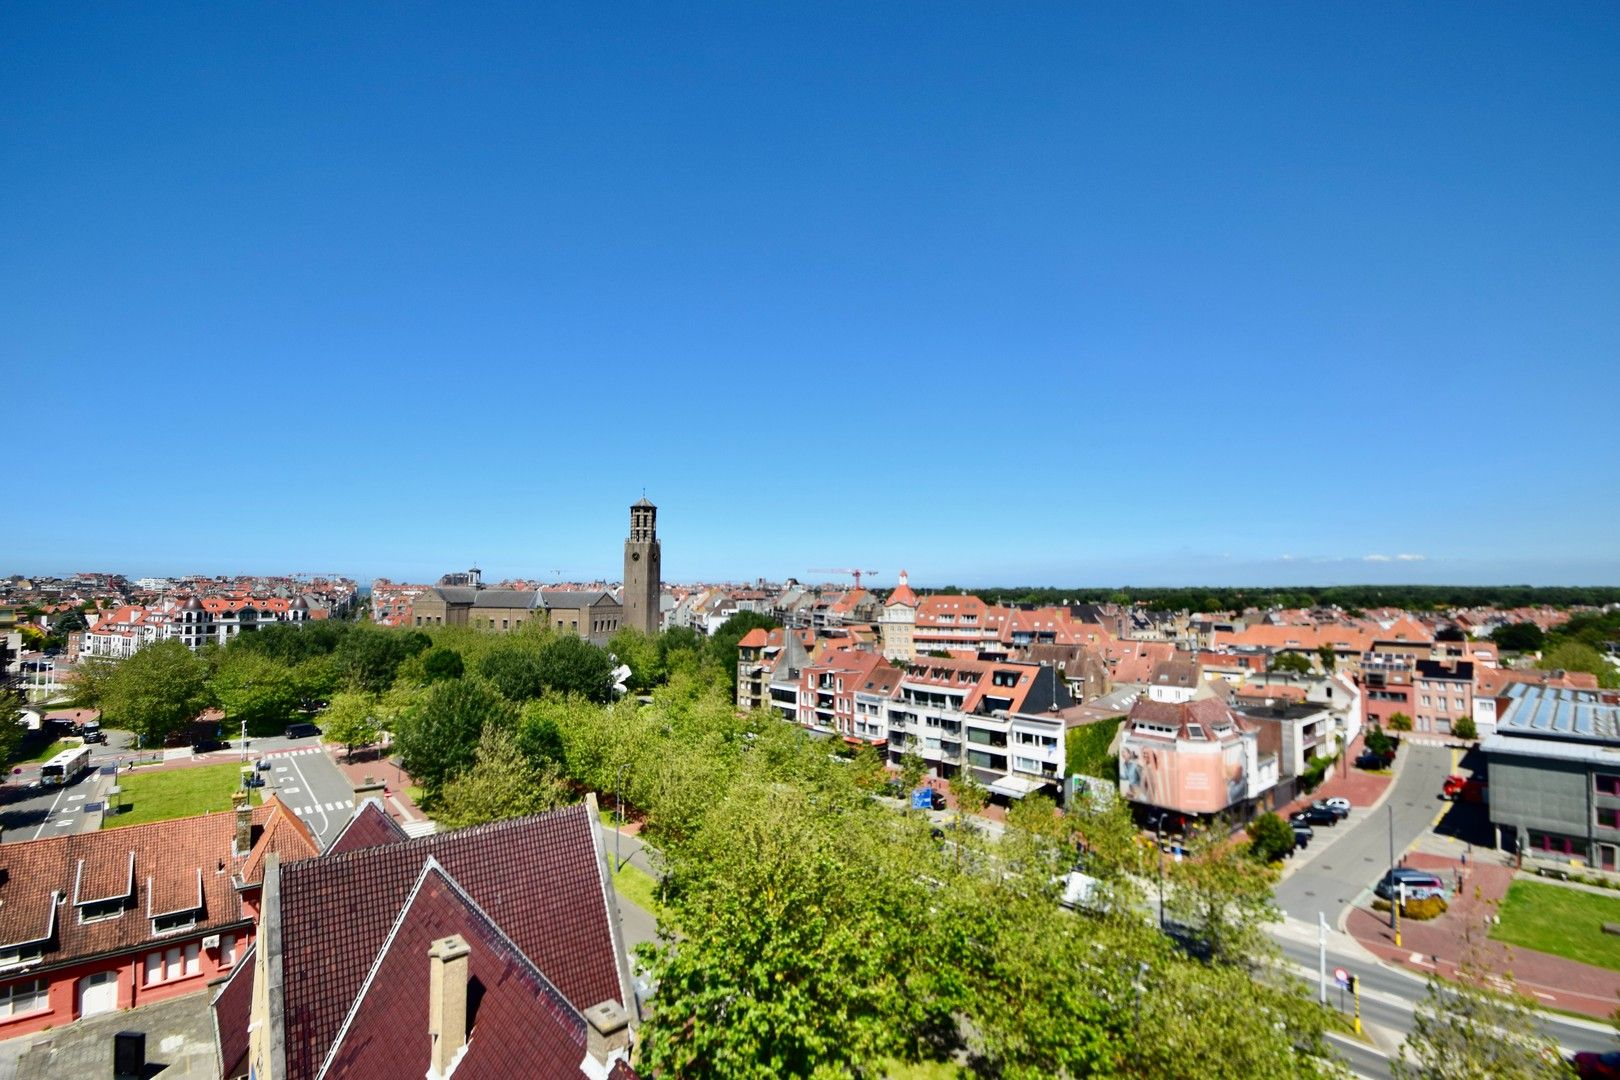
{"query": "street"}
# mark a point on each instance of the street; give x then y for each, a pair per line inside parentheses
(312, 786)
(1341, 866)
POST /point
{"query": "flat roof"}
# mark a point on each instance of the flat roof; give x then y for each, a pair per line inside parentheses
(1560, 713)
(1556, 749)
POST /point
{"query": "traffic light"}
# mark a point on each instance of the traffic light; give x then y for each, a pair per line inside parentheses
(1351, 986)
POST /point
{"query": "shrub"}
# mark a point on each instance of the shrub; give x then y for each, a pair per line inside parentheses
(1464, 728)
(1430, 907)
(1315, 769)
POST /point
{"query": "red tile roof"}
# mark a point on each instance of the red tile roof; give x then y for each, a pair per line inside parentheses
(523, 1027)
(232, 1010)
(540, 879)
(369, 827)
(283, 833)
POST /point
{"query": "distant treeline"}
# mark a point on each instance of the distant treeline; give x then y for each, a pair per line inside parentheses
(1353, 597)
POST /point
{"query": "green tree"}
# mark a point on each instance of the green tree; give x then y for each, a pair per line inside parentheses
(367, 658)
(1400, 722)
(442, 662)
(1327, 658)
(1465, 728)
(572, 665)
(1518, 637)
(1477, 1025)
(438, 736)
(1270, 838)
(1223, 897)
(1290, 661)
(350, 721)
(514, 669)
(723, 645)
(912, 770)
(12, 731)
(812, 925)
(969, 795)
(252, 687)
(156, 692)
(1376, 740)
(1578, 656)
(501, 783)
(88, 685)
(641, 654)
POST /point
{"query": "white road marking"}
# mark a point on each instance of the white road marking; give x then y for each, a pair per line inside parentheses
(326, 824)
(331, 806)
(63, 822)
(74, 798)
(291, 790)
(41, 830)
(307, 810)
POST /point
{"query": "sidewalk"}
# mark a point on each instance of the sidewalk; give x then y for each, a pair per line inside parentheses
(369, 764)
(1361, 787)
(1437, 946)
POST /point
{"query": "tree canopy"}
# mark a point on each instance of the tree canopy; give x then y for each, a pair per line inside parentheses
(157, 692)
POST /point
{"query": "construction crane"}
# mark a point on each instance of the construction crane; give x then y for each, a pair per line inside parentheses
(856, 574)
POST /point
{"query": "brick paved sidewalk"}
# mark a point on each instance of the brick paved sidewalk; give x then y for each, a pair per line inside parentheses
(370, 764)
(1427, 947)
(1361, 787)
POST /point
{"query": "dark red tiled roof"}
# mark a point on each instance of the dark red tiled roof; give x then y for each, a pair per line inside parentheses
(523, 1027)
(284, 834)
(539, 879)
(232, 1010)
(369, 827)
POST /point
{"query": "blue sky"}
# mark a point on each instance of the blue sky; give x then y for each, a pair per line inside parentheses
(1080, 294)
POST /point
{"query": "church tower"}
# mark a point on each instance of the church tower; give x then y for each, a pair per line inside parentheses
(642, 580)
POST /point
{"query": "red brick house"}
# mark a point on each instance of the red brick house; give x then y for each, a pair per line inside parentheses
(95, 922)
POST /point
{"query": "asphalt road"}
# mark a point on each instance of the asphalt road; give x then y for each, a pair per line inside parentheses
(1349, 857)
(312, 785)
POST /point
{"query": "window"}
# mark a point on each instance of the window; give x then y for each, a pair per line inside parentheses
(179, 920)
(1608, 817)
(1607, 784)
(23, 997)
(227, 950)
(101, 909)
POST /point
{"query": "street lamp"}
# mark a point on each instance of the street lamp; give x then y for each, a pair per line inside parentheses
(618, 796)
(1394, 922)
(1158, 853)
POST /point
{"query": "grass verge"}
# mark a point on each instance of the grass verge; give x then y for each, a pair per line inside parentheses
(1561, 921)
(46, 753)
(171, 793)
(637, 886)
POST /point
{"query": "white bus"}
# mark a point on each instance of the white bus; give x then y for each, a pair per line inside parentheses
(66, 767)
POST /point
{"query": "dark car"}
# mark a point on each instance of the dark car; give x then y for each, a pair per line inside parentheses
(208, 743)
(252, 779)
(1590, 1065)
(92, 733)
(1368, 759)
(1314, 815)
(1338, 811)
(301, 731)
(1303, 834)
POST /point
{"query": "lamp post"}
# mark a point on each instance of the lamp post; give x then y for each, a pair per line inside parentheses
(1394, 919)
(1158, 853)
(618, 797)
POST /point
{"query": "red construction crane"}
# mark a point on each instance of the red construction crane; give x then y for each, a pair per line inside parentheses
(856, 574)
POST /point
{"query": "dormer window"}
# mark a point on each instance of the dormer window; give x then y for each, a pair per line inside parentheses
(173, 921)
(101, 910)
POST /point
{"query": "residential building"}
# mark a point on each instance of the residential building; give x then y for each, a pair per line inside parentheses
(493, 952)
(1553, 765)
(975, 715)
(1443, 693)
(99, 921)
(1195, 757)
(194, 621)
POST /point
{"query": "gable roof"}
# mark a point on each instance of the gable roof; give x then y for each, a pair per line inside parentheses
(541, 879)
(523, 1026)
(369, 826)
(283, 833)
(232, 1010)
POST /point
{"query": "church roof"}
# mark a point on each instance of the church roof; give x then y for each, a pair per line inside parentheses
(642, 504)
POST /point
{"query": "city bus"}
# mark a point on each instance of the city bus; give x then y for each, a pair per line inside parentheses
(66, 767)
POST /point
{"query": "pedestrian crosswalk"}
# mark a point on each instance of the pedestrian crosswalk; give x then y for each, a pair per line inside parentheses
(296, 753)
(331, 807)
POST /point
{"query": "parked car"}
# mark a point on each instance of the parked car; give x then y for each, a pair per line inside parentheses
(1314, 815)
(1419, 884)
(301, 731)
(91, 732)
(1591, 1065)
(208, 743)
(1369, 759)
(1303, 835)
(252, 779)
(1452, 787)
(1339, 808)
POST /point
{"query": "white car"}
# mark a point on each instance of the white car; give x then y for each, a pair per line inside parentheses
(1339, 805)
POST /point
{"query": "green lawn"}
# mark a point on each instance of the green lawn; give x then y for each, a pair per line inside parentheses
(160, 794)
(636, 885)
(53, 749)
(1561, 921)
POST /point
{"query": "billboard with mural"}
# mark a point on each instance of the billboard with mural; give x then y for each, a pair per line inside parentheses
(1192, 777)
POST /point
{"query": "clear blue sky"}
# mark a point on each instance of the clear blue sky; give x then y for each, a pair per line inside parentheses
(1059, 293)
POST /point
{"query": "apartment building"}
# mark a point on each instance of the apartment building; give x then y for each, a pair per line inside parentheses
(996, 719)
(195, 622)
(1443, 693)
(897, 623)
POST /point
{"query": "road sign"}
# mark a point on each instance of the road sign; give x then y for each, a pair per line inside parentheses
(922, 799)
(1341, 976)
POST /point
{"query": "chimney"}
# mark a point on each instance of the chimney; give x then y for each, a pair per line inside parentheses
(447, 1003)
(244, 824)
(607, 1035)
